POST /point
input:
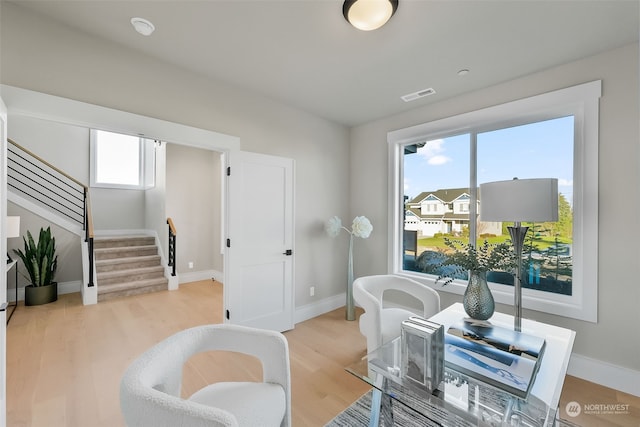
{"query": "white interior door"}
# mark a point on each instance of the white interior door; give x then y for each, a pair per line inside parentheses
(259, 261)
(3, 275)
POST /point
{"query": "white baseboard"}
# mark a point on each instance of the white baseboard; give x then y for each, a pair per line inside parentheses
(606, 374)
(76, 285)
(63, 288)
(195, 276)
(318, 308)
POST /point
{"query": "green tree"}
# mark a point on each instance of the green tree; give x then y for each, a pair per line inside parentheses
(564, 226)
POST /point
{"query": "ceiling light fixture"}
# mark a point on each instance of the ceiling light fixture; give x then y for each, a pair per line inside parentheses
(143, 26)
(367, 15)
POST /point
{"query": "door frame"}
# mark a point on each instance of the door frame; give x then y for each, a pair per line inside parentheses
(42, 106)
(67, 111)
(3, 275)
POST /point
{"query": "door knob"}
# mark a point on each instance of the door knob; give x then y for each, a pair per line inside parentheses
(288, 252)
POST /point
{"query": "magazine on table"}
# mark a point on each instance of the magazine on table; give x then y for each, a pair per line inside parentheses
(499, 356)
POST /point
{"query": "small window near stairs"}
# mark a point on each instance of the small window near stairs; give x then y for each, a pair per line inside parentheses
(121, 161)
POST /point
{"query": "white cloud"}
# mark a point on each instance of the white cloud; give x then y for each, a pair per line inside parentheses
(438, 160)
(431, 152)
(431, 148)
(565, 182)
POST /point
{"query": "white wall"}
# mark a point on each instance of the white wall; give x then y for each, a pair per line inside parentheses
(84, 68)
(155, 201)
(192, 191)
(614, 338)
(193, 202)
(116, 209)
(53, 142)
(66, 147)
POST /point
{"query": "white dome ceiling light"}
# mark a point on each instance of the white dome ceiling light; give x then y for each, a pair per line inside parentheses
(367, 15)
(143, 26)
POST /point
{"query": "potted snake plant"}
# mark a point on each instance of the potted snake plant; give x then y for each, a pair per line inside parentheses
(40, 261)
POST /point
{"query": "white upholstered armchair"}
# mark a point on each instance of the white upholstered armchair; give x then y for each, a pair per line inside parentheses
(150, 387)
(380, 324)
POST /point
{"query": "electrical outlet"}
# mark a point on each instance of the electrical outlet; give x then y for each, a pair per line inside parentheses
(190, 264)
(312, 291)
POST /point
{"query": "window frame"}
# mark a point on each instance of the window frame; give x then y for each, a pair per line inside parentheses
(146, 164)
(581, 101)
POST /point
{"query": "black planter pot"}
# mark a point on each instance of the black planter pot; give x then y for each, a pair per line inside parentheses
(38, 295)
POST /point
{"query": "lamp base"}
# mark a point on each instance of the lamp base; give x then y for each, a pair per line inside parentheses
(517, 233)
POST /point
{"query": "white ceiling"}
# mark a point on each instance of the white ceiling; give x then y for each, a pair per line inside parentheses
(303, 52)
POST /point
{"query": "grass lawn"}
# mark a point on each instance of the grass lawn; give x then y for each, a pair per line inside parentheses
(435, 243)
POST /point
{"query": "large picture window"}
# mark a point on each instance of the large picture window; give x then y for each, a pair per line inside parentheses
(436, 170)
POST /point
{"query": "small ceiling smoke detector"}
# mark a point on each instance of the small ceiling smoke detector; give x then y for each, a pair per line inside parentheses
(419, 94)
(463, 72)
(143, 26)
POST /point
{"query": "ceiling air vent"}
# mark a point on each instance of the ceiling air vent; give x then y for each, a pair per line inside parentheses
(419, 94)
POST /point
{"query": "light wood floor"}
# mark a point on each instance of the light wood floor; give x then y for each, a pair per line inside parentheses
(65, 360)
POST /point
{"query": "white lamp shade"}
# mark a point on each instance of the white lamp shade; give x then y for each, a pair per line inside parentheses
(13, 226)
(519, 200)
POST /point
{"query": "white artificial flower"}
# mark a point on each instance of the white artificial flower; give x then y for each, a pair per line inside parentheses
(333, 226)
(361, 227)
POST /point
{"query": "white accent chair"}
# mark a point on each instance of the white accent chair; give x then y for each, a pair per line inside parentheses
(381, 324)
(150, 387)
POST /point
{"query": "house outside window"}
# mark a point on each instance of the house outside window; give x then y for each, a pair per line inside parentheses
(552, 135)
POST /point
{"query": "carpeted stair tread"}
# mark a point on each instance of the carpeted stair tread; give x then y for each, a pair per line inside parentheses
(115, 264)
(114, 287)
(123, 248)
(133, 274)
(122, 241)
(125, 252)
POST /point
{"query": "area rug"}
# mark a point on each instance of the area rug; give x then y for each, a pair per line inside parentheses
(358, 415)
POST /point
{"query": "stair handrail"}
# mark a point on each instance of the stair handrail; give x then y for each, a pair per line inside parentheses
(89, 233)
(172, 246)
(87, 223)
(38, 180)
(40, 159)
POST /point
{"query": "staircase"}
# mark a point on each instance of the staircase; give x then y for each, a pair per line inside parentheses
(128, 265)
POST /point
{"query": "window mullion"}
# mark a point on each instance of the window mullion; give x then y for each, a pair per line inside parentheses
(473, 187)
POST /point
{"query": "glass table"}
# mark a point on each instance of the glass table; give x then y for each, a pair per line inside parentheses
(462, 400)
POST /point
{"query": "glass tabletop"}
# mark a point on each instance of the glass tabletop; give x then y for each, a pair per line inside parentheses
(460, 400)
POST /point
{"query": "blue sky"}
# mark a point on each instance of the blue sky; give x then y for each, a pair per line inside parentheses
(539, 150)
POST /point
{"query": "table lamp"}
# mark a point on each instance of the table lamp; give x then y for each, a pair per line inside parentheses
(13, 230)
(519, 200)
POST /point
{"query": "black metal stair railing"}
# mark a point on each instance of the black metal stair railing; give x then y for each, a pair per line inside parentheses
(88, 228)
(172, 246)
(41, 183)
